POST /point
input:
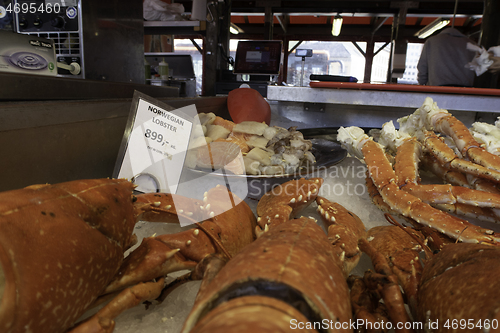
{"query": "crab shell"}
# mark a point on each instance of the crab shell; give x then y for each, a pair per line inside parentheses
(459, 283)
(292, 262)
(90, 221)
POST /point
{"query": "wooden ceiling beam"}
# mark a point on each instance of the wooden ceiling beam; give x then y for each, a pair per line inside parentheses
(378, 23)
(283, 20)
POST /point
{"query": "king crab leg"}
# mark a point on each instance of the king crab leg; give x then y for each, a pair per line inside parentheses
(453, 177)
(433, 118)
(384, 178)
(456, 199)
(459, 179)
(446, 156)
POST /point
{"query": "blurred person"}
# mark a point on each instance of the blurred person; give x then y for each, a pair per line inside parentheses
(444, 58)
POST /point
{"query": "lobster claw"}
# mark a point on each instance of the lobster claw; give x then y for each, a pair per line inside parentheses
(285, 201)
(345, 229)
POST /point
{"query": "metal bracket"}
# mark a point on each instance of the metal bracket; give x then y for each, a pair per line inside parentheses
(314, 107)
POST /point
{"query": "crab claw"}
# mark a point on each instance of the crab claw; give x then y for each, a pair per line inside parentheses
(259, 232)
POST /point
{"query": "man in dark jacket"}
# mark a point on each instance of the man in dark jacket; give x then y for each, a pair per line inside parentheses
(443, 60)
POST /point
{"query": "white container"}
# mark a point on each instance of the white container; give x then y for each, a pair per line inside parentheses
(163, 70)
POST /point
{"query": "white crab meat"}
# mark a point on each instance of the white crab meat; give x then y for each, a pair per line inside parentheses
(352, 138)
(250, 127)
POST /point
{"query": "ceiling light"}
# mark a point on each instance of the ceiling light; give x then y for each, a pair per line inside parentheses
(337, 25)
(234, 29)
(429, 29)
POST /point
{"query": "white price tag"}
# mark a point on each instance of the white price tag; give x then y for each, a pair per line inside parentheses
(154, 149)
(155, 145)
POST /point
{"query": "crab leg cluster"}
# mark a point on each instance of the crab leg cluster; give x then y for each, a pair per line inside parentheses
(456, 150)
(444, 289)
(381, 172)
(456, 199)
(471, 191)
(448, 158)
(445, 123)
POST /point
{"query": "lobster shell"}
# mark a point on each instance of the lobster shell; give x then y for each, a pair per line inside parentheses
(252, 314)
(296, 258)
(60, 245)
(459, 283)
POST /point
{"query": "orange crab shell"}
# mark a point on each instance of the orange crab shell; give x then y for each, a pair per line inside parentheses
(247, 104)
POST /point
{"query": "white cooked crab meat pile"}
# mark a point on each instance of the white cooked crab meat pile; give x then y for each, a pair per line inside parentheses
(266, 150)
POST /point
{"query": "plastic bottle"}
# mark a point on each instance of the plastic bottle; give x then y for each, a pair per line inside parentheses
(163, 69)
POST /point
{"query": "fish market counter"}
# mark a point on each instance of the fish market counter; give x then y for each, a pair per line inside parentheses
(59, 141)
(344, 183)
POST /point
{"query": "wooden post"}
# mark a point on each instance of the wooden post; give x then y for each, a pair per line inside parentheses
(370, 46)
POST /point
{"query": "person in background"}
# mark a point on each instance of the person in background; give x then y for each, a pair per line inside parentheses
(444, 58)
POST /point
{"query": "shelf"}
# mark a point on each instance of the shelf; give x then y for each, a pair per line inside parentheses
(185, 27)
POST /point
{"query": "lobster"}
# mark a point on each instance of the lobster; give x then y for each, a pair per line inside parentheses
(456, 292)
(449, 290)
(292, 277)
(62, 246)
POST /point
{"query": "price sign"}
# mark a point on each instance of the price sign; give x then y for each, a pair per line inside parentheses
(154, 146)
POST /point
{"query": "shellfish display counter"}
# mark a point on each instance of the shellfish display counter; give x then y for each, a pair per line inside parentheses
(390, 236)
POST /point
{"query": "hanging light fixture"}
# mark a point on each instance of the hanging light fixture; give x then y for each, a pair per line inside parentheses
(429, 29)
(337, 25)
(234, 29)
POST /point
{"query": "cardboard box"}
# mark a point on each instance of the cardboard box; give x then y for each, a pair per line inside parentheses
(27, 54)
